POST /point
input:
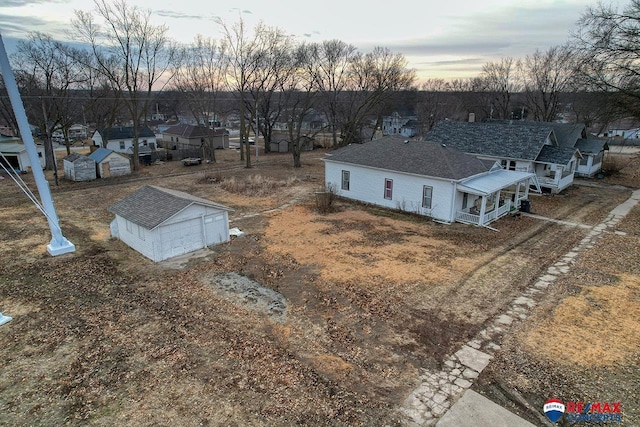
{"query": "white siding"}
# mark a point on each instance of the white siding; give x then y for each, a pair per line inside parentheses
(189, 230)
(118, 165)
(368, 185)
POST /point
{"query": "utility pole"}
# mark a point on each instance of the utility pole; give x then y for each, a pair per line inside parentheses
(59, 244)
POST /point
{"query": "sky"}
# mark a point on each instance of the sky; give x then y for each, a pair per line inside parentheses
(440, 39)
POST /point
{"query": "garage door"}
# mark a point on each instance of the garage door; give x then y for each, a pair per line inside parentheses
(181, 238)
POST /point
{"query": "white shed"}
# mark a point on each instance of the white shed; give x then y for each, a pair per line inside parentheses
(161, 223)
(79, 168)
(109, 163)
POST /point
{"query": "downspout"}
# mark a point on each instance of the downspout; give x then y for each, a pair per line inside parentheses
(453, 200)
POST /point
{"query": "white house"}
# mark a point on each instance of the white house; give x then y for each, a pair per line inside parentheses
(120, 139)
(15, 153)
(161, 223)
(521, 146)
(109, 163)
(426, 178)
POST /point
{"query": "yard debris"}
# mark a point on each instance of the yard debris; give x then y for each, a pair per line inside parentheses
(235, 232)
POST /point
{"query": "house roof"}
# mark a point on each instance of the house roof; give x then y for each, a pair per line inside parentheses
(415, 157)
(493, 138)
(191, 131)
(150, 206)
(591, 145)
(12, 147)
(100, 154)
(126, 132)
(566, 133)
(494, 181)
(556, 155)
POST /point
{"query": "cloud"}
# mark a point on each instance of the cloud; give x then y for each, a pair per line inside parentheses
(178, 15)
(22, 25)
(21, 3)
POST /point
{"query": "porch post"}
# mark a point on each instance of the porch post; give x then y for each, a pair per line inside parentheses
(515, 201)
(483, 208)
(526, 190)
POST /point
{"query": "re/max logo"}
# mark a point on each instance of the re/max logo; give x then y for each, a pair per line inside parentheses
(593, 407)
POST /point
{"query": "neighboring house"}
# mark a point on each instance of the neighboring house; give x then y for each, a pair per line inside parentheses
(576, 135)
(396, 124)
(78, 131)
(79, 168)
(195, 136)
(120, 139)
(109, 163)
(280, 143)
(161, 223)
(624, 129)
(426, 178)
(15, 153)
(518, 146)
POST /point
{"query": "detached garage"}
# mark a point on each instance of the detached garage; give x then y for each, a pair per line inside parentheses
(161, 223)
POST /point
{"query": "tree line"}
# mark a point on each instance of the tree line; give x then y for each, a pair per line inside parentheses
(268, 78)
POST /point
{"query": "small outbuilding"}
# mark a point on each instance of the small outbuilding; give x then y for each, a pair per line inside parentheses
(109, 163)
(161, 223)
(79, 168)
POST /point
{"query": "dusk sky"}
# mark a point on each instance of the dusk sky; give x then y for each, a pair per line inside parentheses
(447, 39)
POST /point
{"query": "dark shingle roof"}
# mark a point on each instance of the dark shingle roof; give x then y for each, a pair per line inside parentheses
(191, 131)
(126, 132)
(556, 155)
(150, 206)
(416, 157)
(591, 145)
(74, 157)
(567, 134)
(492, 139)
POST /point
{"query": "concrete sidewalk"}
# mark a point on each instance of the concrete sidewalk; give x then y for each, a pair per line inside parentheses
(475, 410)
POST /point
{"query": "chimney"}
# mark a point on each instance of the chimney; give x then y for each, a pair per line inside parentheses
(472, 117)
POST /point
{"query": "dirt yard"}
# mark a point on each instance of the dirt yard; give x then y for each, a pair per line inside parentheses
(365, 298)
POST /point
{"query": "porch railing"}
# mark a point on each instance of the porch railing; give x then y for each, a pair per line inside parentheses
(469, 218)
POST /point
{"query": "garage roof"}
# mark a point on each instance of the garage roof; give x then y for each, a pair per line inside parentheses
(150, 206)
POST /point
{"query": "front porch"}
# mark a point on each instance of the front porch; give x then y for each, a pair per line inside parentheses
(472, 216)
(490, 197)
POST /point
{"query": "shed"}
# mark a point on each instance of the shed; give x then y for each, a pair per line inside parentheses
(79, 168)
(109, 163)
(161, 223)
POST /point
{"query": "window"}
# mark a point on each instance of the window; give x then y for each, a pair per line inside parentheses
(141, 233)
(427, 192)
(122, 145)
(129, 226)
(388, 189)
(346, 177)
(465, 200)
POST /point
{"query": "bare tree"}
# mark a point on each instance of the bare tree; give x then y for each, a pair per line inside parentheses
(545, 77)
(331, 72)
(433, 103)
(244, 56)
(500, 82)
(374, 78)
(135, 55)
(50, 75)
(608, 44)
(274, 67)
(300, 96)
(200, 81)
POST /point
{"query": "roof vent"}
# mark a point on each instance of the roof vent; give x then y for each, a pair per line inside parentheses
(444, 145)
(406, 141)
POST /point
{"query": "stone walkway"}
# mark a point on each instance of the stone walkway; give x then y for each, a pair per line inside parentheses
(439, 390)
